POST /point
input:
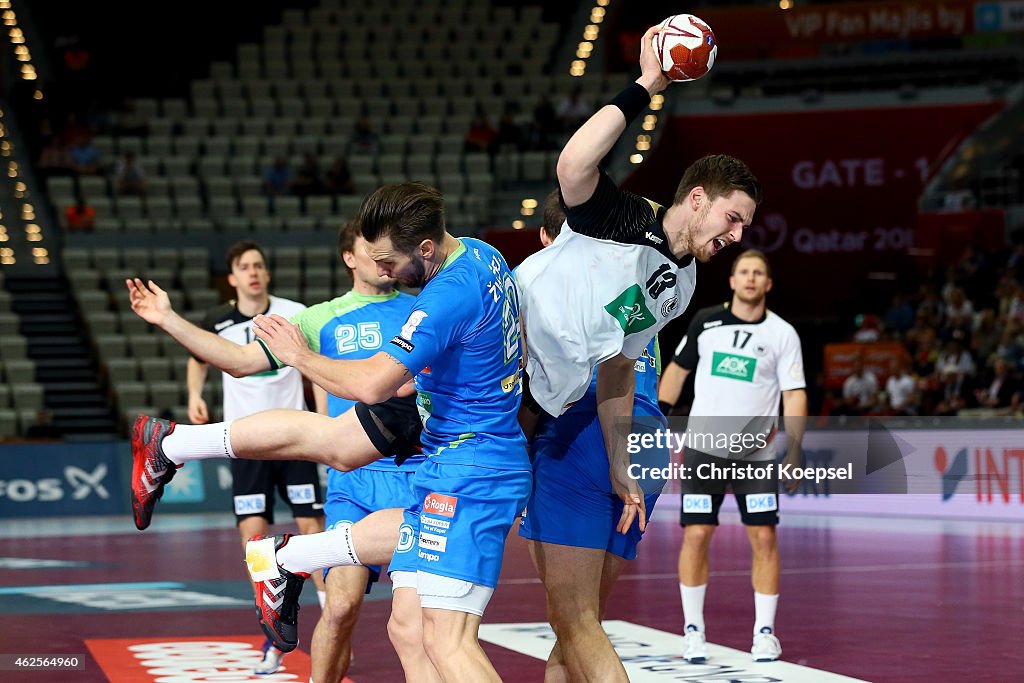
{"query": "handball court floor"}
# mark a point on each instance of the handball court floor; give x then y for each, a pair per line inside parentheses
(876, 599)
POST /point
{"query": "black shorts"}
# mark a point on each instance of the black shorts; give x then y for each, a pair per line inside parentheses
(296, 481)
(703, 490)
(393, 426)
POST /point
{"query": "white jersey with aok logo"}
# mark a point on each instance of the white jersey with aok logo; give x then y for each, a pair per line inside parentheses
(281, 388)
(740, 368)
(606, 286)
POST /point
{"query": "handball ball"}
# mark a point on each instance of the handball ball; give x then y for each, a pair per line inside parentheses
(686, 47)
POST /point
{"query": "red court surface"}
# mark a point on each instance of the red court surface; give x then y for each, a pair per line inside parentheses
(876, 599)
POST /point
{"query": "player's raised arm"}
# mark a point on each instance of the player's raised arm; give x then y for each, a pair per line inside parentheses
(153, 305)
(578, 163)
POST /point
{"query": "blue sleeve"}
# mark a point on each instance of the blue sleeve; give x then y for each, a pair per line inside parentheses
(440, 316)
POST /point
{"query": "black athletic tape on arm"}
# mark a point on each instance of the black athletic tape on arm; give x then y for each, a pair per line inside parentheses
(665, 407)
(632, 101)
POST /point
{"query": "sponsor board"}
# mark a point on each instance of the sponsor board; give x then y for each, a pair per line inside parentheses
(60, 479)
(187, 485)
(210, 658)
(944, 473)
(650, 655)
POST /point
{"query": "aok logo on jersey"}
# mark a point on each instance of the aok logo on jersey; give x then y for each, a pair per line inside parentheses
(733, 366)
(630, 310)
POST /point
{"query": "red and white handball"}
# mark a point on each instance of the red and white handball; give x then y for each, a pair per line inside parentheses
(686, 47)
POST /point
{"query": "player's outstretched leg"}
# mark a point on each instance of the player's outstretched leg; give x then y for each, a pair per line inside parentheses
(151, 469)
(277, 591)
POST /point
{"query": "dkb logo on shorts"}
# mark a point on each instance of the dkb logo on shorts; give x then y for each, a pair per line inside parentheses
(696, 502)
(761, 502)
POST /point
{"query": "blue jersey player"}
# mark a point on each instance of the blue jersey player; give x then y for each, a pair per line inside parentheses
(354, 326)
(461, 342)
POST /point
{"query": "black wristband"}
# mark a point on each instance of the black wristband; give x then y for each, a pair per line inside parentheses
(632, 101)
(665, 408)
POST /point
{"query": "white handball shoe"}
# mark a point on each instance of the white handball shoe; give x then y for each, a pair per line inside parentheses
(696, 651)
(766, 646)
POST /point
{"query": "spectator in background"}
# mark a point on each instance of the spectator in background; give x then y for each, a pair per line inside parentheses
(1010, 346)
(308, 180)
(931, 306)
(364, 140)
(54, 160)
(339, 178)
(277, 179)
(1001, 389)
(43, 427)
(860, 390)
(952, 394)
(84, 155)
(573, 110)
(126, 120)
(510, 133)
(1011, 304)
(900, 316)
(481, 134)
(921, 330)
(80, 216)
(901, 388)
(985, 335)
(544, 126)
(959, 313)
(130, 176)
(955, 359)
(869, 329)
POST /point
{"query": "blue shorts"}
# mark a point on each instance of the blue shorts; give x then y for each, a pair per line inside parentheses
(461, 517)
(573, 502)
(353, 495)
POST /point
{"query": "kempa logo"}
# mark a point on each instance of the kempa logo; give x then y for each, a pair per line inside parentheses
(630, 310)
(733, 366)
(654, 238)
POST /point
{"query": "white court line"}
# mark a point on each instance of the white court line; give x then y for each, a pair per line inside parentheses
(867, 568)
(652, 656)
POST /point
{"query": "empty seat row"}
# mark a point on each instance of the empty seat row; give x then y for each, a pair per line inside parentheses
(103, 258)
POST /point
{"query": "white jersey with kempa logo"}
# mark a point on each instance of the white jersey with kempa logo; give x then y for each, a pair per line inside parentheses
(740, 368)
(281, 388)
(606, 286)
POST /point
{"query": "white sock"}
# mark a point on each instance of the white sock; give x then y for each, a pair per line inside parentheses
(198, 442)
(764, 611)
(321, 596)
(693, 605)
(310, 552)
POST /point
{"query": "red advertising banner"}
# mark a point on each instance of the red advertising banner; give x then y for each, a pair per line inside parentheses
(840, 191)
(853, 22)
(877, 357)
(190, 658)
(756, 32)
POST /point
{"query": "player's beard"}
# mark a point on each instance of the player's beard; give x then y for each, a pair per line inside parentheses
(416, 276)
(702, 251)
